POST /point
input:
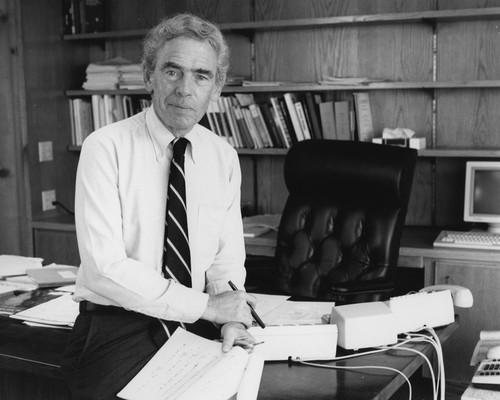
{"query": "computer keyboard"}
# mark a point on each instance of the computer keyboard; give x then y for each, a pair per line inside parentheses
(468, 240)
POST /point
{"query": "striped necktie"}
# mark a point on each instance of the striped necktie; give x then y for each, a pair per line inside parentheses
(176, 257)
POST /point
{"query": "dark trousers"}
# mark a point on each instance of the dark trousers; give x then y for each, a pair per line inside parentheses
(106, 350)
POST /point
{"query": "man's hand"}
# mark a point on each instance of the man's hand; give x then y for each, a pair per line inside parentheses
(230, 307)
(234, 333)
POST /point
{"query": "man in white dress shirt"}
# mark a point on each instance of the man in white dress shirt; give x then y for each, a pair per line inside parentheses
(126, 305)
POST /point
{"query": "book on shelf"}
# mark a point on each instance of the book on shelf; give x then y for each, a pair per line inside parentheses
(93, 16)
(301, 115)
(288, 120)
(83, 16)
(327, 116)
(81, 120)
(280, 122)
(313, 112)
(290, 100)
(228, 122)
(222, 122)
(342, 120)
(364, 119)
(251, 128)
(189, 366)
(267, 114)
(245, 132)
(260, 124)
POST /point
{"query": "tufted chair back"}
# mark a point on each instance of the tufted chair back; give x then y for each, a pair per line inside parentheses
(341, 227)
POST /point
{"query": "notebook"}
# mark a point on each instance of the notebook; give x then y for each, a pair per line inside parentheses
(53, 276)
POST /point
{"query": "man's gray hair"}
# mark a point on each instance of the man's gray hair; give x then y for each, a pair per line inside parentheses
(186, 25)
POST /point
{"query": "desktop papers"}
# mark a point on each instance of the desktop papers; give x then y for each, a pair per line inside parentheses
(17, 265)
(189, 367)
(60, 311)
(278, 310)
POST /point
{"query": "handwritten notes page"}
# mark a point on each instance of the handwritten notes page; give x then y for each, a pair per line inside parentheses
(189, 367)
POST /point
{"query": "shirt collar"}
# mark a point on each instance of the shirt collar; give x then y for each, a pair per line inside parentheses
(161, 137)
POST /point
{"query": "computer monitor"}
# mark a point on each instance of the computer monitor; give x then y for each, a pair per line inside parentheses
(482, 193)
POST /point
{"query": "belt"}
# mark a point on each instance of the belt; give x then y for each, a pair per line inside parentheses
(86, 307)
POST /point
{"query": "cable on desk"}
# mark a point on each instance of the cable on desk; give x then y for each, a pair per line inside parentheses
(437, 383)
(311, 364)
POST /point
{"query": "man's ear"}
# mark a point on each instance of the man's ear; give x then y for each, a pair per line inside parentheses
(216, 93)
(149, 85)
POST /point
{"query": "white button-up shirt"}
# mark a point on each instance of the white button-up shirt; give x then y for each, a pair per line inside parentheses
(120, 206)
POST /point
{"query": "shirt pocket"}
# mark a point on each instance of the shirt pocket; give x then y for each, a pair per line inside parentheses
(210, 221)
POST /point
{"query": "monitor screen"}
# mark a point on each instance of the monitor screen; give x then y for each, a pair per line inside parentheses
(482, 193)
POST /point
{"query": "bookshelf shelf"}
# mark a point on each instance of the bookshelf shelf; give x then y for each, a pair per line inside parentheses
(313, 87)
(304, 23)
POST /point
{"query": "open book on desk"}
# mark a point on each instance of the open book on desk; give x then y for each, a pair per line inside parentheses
(189, 367)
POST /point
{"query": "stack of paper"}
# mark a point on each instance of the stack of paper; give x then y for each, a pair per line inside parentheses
(191, 367)
(60, 311)
(17, 265)
(131, 77)
(104, 75)
(20, 300)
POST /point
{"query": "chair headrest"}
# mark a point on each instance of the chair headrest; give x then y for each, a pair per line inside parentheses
(348, 169)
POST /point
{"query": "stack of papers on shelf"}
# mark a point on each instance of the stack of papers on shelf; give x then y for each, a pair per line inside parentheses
(259, 224)
(104, 75)
(337, 80)
(131, 77)
(60, 311)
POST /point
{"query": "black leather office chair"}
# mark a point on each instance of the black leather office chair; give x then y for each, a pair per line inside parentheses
(341, 227)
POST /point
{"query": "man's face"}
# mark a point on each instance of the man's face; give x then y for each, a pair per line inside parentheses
(183, 83)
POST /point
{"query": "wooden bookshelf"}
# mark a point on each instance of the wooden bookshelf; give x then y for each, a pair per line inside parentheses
(307, 23)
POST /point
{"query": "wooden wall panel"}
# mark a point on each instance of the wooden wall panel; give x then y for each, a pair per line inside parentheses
(270, 185)
(468, 118)
(450, 182)
(248, 185)
(420, 206)
(51, 66)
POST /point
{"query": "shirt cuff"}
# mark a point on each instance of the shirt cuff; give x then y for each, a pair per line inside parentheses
(187, 304)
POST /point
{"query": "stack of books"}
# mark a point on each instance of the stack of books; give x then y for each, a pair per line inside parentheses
(281, 121)
(131, 77)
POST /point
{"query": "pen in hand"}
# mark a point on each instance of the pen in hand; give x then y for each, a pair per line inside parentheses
(254, 314)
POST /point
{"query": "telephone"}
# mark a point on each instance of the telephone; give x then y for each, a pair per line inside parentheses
(462, 297)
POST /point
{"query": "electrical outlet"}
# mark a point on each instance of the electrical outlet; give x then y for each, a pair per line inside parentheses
(48, 197)
(45, 151)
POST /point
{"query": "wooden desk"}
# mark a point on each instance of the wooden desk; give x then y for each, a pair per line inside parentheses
(29, 360)
(478, 270)
(299, 382)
